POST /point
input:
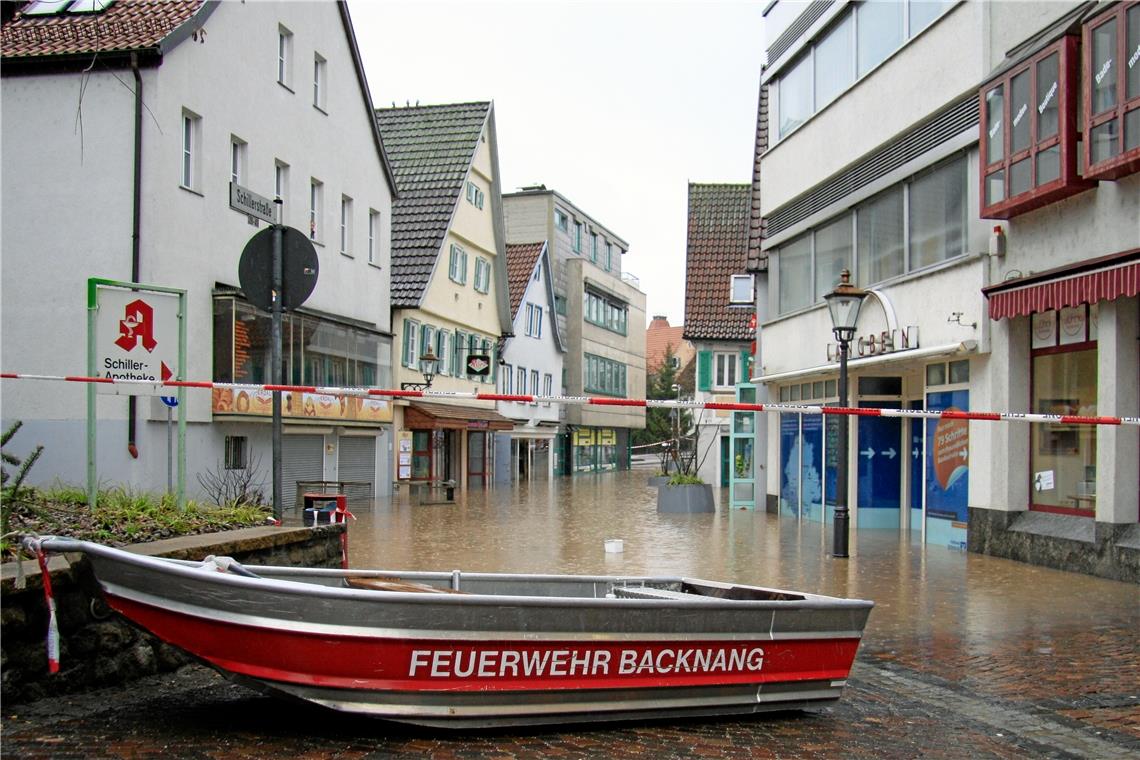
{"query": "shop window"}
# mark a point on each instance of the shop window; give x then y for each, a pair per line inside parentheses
(1029, 133)
(1111, 51)
(1063, 456)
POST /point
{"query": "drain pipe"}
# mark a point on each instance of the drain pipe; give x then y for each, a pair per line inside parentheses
(136, 212)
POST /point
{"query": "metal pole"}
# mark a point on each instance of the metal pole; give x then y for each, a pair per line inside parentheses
(169, 450)
(275, 362)
(842, 519)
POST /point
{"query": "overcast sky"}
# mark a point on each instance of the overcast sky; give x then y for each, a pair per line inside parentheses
(616, 105)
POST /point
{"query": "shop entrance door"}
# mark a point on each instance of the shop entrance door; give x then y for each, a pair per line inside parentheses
(742, 488)
(880, 467)
(478, 470)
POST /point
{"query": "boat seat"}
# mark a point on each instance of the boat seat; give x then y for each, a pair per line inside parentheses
(398, 584)
(646, 592)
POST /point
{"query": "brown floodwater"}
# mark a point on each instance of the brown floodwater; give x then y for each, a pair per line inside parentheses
(561, 526)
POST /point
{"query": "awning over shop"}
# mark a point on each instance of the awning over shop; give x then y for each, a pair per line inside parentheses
(876, 362)
(1101, 279)
(425, 416)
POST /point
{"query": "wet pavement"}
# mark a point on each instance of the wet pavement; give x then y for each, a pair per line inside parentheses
(964, 655)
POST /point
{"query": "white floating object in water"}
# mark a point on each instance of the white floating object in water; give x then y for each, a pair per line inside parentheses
(615, 546)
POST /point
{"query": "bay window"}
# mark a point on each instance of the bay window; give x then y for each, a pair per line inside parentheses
(1029, 133)
(1111, 45)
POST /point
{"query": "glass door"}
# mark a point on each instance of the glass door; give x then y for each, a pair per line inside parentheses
(742, 468)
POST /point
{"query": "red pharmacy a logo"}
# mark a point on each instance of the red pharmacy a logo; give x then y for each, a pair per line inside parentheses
(137, 325)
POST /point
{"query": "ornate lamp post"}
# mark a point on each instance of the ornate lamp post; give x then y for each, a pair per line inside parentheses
(843, 303)
(428, 364)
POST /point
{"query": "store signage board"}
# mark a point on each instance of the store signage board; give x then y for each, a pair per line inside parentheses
(136, 338)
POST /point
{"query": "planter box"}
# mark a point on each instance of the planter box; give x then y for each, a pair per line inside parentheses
(656, 481)
(685, 499)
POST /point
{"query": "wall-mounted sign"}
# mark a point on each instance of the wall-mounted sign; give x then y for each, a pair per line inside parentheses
(875, 344)
(479, 365)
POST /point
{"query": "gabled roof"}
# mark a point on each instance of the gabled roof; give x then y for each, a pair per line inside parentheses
(757, 225)
(717, 249)
(146, 28)
(431, 149)
(659, 336)
(124, 26)
(521, 259)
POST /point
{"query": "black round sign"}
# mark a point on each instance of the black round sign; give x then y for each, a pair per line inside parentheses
(299, 269)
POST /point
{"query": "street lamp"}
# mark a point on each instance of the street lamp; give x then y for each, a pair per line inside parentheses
(428, 364)
(843, 303)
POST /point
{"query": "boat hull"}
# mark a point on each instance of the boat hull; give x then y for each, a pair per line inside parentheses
(496, 657)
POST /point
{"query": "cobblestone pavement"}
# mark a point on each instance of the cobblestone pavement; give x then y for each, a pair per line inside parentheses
(1075, 696)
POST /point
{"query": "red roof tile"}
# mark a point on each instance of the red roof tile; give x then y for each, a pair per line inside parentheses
(757, 226)
(658, 337)
(124, 25)
(717, 249)
(521, 259)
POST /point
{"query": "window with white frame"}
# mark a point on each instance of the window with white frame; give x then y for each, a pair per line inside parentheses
(191, 151)
(443, 352)
(346, 225)
(474, 195)
(284, 56)
(409, 357)
(561, 221)
(533, 320)
(482, 275)
(724, 368)
(460, 353)
(373, 236)
(508, 378)
(320, 83)
(547, 386)
(237, 159)
(915, 224)
(281, 185)
(521, 381)
(457, 265)
(534, 383)
(857, 41)
(316, 210)
(741, 290)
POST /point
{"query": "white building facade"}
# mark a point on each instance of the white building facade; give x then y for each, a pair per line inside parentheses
(531, 364)
(294, 96)
(968, 211)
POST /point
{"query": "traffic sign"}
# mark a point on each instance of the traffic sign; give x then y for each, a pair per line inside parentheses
(299, 268)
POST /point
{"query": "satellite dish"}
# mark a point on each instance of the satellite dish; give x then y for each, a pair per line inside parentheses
(299, 268)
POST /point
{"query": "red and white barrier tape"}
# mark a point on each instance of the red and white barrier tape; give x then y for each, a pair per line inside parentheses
(1069, 419)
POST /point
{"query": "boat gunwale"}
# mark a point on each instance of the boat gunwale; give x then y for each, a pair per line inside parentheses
(195, 570)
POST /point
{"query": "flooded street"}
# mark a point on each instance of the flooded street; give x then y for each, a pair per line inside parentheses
(964, 656)
(560, 526)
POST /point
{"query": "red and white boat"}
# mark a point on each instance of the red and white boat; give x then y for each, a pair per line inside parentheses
(486, 649)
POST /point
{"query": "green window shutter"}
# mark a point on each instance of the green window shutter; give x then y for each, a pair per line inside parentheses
(704, 370)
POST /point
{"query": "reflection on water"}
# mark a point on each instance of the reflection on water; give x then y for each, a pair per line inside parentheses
(560, 526)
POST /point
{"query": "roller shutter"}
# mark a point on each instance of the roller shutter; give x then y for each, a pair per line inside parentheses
(302, 458)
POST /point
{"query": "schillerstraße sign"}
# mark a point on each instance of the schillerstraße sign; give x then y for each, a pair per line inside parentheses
(249, 202)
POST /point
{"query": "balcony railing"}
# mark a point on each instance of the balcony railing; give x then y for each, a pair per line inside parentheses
(631, 279)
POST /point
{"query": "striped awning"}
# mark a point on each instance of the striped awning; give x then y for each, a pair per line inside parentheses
(1102, 279)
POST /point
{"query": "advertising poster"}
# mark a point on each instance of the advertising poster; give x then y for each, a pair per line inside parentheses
(790, 464)
(947, 457)
(811, 474)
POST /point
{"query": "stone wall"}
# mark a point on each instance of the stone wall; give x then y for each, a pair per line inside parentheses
(99, 648)
(1063, 542)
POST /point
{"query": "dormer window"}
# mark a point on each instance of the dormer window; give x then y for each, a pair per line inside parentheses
(1111, 55)
(741, 289)
(1029, 133)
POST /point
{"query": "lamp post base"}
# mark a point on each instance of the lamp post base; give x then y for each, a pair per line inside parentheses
(842, 523)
